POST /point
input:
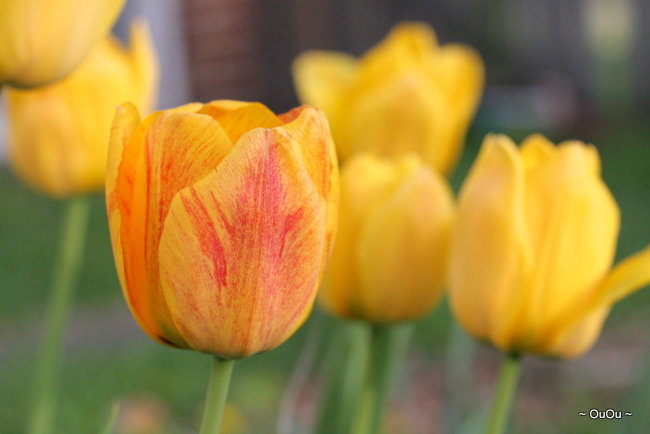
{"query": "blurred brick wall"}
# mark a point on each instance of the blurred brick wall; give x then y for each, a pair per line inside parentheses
(243, 49)
(224, 47)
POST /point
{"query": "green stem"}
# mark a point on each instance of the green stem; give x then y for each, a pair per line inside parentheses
(459, 369)
(64, 280)
(388, 346)
(505, 393)
(345, 366)
(215, 401)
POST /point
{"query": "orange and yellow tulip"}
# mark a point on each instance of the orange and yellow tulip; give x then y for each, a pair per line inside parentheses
(407, 94)
(222, 218)
(390, 254)
(532, 248)
(44, 40)
(59, 133)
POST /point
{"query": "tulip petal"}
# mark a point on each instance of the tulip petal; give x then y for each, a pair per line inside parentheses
(144, 65)
(627, 277)
(309, 128)
(170, 151)
(405, 114)
(573, 223)
(126, 122)
(310, 131)
(576, 338)
(42, 41)
(241, 249)
(403, 244)
(365, 180)
(236, 117)
(322, 79)
(409, 45)
(489, 239)
(458, 71)
(535, 150)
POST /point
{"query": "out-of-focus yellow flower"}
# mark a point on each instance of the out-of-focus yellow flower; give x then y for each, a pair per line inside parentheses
(407, 94)
(59, 133)
(44, 40)
(389, 258)
(222, 218)
(533, 245)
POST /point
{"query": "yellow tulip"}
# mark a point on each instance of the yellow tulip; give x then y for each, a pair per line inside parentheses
(44, 40)
(389, 258)
(407, 94)
(222, 218)
(59, 133)
(533, 246)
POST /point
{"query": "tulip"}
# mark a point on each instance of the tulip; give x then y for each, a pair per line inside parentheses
(59, 133)
(389, 259)
(222, 218)
(43, 40)
(387, 267)
(407, 94)
(533, 246)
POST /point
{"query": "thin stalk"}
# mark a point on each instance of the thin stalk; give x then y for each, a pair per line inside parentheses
(388, 346)
(215, 401)
(505, 393)
(64, 279)
(345, 367)
(459, 369)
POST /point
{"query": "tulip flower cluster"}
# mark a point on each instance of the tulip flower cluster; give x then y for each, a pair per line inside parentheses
(223, 216)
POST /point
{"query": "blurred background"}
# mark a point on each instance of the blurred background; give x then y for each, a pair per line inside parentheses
(571, 69)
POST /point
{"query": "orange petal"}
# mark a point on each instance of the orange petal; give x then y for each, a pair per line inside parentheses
(241, 249)
(308, 127)
(170, 151)
(237, 117)
(125, 123)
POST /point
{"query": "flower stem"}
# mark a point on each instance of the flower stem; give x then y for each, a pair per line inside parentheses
(64, 279)
(388, 346)
(215, 401)
(505, 393)
(343, 384)
(459, 370)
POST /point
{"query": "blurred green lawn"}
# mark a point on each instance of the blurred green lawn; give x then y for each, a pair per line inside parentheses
(101, 370)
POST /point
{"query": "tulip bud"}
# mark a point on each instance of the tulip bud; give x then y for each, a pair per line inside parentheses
(222, 218)
(59, 133)
(389, 258)
(43, 40)
(532, 248)
(407, 94)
